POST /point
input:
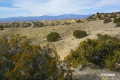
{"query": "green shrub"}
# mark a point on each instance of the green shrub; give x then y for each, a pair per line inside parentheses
(15, 24)
(105, 37)
(118, 24)
(107, 20)
(116, 20)
(79, 34)
(38, 24)
(20, 60)
(1, 27)
(79, 21)
(99, 16)
(103, 52)
(113, 15)
(112, 60)
(91, 18)
(53, 37)
(25, 24)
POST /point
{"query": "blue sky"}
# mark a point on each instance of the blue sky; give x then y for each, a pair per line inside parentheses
(16, 8)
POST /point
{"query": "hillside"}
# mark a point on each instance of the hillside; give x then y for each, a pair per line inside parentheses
(37, 32)
(68, 42)
(103, 16)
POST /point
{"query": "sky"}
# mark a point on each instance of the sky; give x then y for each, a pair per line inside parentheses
(17, 8)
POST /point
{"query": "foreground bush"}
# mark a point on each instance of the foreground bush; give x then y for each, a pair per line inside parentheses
(79, 34)
(103, 52)
(20, 60)
(53, 37)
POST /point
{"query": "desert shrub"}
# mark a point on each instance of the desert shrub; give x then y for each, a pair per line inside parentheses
(79, 34)
(6, 25)
(105, 37)
(101, 17)
(113, 15)
(91, 18)
(53, 37)
(52, 24)
(98, 15)
(101, 52)
(15, 24)
(111, 61)
(26, 24)
(79, 21)
(1, 27)
(118, 24)
(107, 20)
(67, 23)
(116, 20)
(106, 15)
(38, 24)
(20, 60)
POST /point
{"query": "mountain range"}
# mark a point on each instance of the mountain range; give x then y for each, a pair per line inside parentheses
(38, 18)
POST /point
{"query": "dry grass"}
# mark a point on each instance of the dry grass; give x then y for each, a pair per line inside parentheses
(68, 42)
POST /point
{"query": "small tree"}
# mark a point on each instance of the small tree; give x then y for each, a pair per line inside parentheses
(53, 37)
(79, 34)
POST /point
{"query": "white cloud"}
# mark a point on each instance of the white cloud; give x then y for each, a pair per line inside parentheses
(11, 12)
(103, 3)
(56, 7)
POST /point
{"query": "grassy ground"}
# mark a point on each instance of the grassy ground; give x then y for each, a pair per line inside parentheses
(68, 42)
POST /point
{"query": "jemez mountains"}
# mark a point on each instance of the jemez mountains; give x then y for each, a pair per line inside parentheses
(38, 18)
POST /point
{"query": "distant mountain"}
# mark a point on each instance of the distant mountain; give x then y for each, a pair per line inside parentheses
(38, 18)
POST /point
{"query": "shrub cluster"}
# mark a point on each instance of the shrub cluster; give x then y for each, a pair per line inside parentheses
(26, 24)
(91, 18)
(15, 25)
(118, 24)
(38, 24)
(53, 37)
(1, 27)
(79, 33)
(107, 20)
(79, 21)
(116, 20)
(20, 60)
(103, 52)
(103, 16)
